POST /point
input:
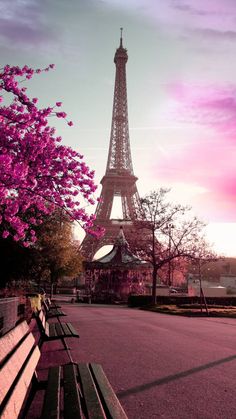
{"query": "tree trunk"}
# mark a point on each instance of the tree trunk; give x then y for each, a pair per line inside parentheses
(154, 285)
(53, 282)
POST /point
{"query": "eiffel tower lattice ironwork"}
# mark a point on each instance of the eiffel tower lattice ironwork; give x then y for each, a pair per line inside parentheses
(119, 179)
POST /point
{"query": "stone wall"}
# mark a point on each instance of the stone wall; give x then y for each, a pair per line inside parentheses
(8, 313)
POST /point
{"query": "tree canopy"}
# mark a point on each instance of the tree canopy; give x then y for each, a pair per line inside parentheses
(56, 253)
(37, 173)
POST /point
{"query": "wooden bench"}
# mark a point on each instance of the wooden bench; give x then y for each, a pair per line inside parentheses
(51, 304)
(53, 331)
(71, 391)
(18, 359)
(51, 311)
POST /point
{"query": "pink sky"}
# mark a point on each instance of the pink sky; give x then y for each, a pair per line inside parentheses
(208, 162)
(181, 80)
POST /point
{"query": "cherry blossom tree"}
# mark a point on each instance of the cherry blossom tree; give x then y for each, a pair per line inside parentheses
(37, 172)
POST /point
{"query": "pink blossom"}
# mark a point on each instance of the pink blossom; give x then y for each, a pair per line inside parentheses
(61, 114)
(37, 174)
(26, 244)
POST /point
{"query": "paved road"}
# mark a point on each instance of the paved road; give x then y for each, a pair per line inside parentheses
(160, 366)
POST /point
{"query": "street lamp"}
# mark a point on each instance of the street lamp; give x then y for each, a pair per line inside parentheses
(169, 227)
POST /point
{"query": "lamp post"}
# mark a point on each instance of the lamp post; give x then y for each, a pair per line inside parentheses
(169, 227)
(202, 296)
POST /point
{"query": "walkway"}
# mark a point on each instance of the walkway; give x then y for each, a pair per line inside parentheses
(160, 366)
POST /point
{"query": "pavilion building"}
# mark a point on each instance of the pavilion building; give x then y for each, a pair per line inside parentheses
(118, 274)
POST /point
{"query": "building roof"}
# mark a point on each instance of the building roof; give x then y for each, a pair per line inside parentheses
(120, 256)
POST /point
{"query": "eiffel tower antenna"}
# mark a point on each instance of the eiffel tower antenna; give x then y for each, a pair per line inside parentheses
(119, 179)
(121, 40)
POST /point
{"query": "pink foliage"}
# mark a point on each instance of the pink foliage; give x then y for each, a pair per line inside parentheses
(37, 173)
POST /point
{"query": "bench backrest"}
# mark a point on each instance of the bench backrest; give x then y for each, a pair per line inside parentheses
(42, 319)
(18, 359)
(45, 305)
(48, 302)
(43, 325)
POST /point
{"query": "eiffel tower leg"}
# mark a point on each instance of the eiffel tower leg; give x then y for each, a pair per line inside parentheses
(89, 246)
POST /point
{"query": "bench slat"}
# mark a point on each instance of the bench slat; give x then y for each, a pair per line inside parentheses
(73, 330)
(52, 330)
(109, 399)
(9, 341)
(72, 407)
(52, 311)
(51, 405)
(14, 403)
(55, 313)
(46, 329)
(52, 303)
(93, 406)
(65, 328)
(11, 368)
(59, 330)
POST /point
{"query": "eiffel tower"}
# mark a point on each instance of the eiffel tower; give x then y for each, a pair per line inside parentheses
(119, 179)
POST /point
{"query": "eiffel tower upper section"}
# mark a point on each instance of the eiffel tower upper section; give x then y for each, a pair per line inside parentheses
(119, 157)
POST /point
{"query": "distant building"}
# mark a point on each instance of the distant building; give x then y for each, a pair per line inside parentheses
(229, 281)
(210, 289)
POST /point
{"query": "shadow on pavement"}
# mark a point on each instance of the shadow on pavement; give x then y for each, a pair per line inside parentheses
(169, 378)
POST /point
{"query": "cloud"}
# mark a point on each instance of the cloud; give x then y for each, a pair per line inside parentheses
(212, 19)
(22, 22)
(209, 162)
(183, 7)
(207, 8)
(211, 105)
(216, 34)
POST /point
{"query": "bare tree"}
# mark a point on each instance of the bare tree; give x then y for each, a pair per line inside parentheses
(165, 232)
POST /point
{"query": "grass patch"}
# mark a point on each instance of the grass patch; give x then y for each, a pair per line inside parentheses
(193, 311)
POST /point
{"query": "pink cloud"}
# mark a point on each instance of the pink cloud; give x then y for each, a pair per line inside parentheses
(208, 163)
(213, 106)
(210, 106)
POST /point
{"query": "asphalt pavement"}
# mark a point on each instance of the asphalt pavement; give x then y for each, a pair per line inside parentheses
(160, 366)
